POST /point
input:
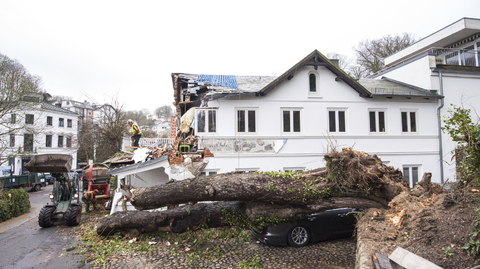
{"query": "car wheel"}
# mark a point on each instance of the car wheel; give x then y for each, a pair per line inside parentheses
(299, 236)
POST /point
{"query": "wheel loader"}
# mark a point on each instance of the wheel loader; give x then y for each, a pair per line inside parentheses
(65, 197)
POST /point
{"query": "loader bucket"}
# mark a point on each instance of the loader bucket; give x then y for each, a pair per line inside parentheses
(50, 163)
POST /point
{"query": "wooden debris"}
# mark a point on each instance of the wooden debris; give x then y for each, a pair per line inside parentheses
(396, 218)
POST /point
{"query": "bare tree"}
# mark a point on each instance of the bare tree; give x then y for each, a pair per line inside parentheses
(149, 134)
(343, 61)
(86, 142)
(110, 130)
(371, 53)
(101, 139)
(164, 111)
(139, 116)
(20, 97)
(356, 71)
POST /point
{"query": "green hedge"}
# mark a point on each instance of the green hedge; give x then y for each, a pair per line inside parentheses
(14, 203)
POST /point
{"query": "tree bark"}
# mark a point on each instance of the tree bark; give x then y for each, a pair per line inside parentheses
(176, 220)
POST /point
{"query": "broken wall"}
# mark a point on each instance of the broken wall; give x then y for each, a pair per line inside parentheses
(241, 145)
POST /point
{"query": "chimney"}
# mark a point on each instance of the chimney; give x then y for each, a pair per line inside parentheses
(334, 61)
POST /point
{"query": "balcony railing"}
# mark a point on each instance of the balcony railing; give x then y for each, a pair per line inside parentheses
(462, 57)
(147, 142)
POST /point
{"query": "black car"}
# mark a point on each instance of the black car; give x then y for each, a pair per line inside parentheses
(330, 224)
(49, 179)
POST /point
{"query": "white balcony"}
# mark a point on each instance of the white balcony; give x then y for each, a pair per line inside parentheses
(462, 57)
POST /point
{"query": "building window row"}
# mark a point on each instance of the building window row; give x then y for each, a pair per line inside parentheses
(206, 120)
(61, 122)
(60, 141)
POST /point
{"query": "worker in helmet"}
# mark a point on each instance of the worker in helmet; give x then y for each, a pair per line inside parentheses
(137, 133)
(89, 197)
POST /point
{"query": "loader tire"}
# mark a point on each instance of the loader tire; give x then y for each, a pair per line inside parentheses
(46, 217)
(73, 215)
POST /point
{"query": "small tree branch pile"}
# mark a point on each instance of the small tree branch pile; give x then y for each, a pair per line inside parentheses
(351, 179)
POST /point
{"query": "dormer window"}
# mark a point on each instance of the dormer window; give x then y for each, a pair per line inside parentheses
(313, 82)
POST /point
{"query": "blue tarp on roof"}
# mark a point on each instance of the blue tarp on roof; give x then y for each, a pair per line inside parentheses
(227, 81)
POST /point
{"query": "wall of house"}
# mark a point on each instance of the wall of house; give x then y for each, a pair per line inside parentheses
(146, 178)
(460, 90)
(270, 149)
(415, 73)
(41, 130)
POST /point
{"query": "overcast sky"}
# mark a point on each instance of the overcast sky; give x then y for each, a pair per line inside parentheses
(127, 50)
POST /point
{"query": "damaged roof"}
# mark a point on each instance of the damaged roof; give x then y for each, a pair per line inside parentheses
(223, 86)
(389, 88)
(226, 84)
(133, 168)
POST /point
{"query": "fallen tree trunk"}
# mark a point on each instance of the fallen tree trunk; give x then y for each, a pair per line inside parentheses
(349, 173)
(176, 220)
(351, 179)
(211, 215)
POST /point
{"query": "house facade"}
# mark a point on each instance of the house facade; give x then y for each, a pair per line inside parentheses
(447, 61)
(289, 122)
(47, 129)
(87, 112)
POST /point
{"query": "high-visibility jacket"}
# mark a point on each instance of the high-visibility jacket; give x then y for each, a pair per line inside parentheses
(135, 129)
(89, 195)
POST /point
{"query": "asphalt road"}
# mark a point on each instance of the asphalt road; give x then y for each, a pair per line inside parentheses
(24, 244)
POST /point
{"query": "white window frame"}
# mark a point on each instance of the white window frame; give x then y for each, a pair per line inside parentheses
(49, 121)
(247, 170)
(316, 93)
(410, 175)
(315, 73)
(291, 111)
(206, 130)
(377, 120)
(337, 122)
(12, 140)
(209, 172)
(28, 118)
(60, 140)
(246, 109)
(46, 140)
(409, 121)
(286, 169)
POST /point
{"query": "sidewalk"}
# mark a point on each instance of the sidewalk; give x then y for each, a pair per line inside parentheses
(17, 221)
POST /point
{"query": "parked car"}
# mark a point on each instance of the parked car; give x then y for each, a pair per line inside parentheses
(48, 178)
(330, 224)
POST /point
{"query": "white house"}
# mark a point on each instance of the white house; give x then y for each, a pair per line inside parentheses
(447, 61)
(289, 122)
(49, 129)
(162, 126)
